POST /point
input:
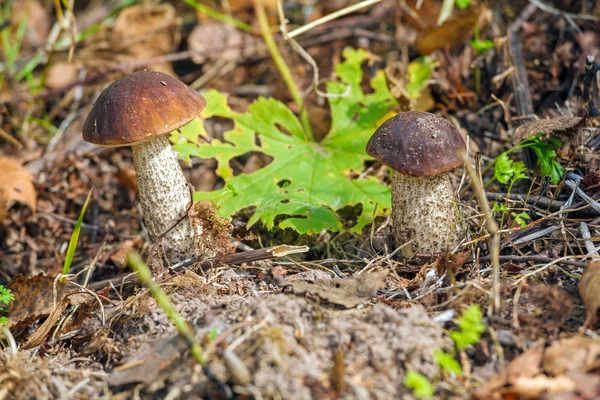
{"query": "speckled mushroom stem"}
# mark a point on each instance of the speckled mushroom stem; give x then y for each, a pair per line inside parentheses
(424, 210)
(165, 198)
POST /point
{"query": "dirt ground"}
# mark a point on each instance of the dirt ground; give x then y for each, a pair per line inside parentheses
(346, 317)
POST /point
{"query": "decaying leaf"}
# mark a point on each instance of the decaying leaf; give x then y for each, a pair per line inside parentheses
(348, 292)
(234, 44)
(35, 298)
(577, 353)
(455, 31)
(36, 16)
(589, 289)
(150, 362)
(527, 366)
(532, 388)
(15, 186)
(564, 367)
(119, 257)
(139, 32)
(563, 125)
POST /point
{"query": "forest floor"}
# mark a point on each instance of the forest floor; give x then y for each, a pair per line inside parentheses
(344, 316)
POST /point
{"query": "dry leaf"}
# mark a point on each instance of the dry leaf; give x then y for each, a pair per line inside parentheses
(35, 298)
(421, 14)
(562, 125)
(215, 40)
(150, 362)
(348, 292)
(39, 336)
(455, 31)
(40, 297)
(532, 388)
(525, 366)
(573, 354)
(38, 22)
(15, 186)
(119, 257)
(589, 290)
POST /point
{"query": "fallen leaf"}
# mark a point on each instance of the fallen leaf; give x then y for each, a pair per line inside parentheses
(150, 362)
(232, 44)
(589, 290)
(119, 257)
(525, 366)
(42, 297)
(563, 125)
(38, 22)
(35, 298)
(572, 354)
(347, 292)
(454, 31)
(16, 185)
(532, 388)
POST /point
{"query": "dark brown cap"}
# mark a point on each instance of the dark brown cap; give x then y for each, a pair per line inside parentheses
(140, 106)
(417, 143)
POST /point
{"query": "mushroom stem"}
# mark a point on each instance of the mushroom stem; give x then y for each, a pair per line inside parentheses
(165, 197)
(424, 211)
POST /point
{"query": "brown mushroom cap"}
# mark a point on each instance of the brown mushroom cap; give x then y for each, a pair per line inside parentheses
(141, 106)
(417, 143)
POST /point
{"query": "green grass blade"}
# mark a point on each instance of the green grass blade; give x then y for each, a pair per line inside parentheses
(75, 237)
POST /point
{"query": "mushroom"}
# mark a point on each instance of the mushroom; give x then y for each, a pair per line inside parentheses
(421, 148)
(139, 110)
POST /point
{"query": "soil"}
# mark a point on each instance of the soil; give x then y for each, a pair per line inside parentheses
(263, 335)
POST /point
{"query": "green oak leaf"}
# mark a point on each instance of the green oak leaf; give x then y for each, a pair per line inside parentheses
(307, 182)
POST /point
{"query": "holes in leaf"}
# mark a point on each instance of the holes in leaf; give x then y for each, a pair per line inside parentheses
(284, 183)
(283, 129)
(250, 162)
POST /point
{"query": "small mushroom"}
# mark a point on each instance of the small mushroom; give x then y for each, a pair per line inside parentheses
(139, 110)
(421, 148)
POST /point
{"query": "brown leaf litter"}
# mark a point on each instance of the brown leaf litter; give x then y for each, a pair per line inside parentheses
(16, 185)
(564, 369)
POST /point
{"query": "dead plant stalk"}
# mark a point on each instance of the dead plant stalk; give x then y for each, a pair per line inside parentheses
(492, 227)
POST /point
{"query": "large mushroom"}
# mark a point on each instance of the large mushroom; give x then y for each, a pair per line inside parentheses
(421, 148)
(139, 110)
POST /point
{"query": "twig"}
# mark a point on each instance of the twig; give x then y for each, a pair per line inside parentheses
(585, 234)
(230, 259)
(520, 81)
(307, 57)
(491, 227)
(332, 16)
(10, 139)
(541, 201)
(549, 9)
(532, 258)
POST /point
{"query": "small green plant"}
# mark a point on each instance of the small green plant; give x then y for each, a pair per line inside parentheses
(5, 297)
(507, 171)
(74, 239)
(462, 4)
(308, 181)
(481, 45)
(419, 384)
(447, 362)
(545, 151)
(419, 72)
(11, 45)
(470, 328)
